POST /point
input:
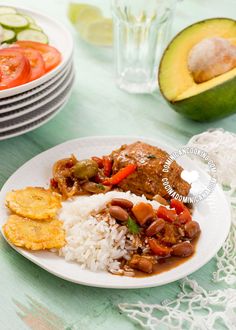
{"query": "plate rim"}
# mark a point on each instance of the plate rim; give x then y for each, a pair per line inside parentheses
(34, 98)
(217, 245)
(38, 123)
(33, 107)
(52, 108)
(35, 90)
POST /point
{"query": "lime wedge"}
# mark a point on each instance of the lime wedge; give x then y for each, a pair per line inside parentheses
(99, 32)
(87, 16)
(74, 9)
(90, 23)
(82, 13)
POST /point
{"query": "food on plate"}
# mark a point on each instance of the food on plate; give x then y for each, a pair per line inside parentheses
(14, 68)
(34, 234)
(32, 35)
(136, 167)
(35, 59)
(122, 233)
(106, 222)
(198, 70)
(147, 179)
(25, 61)
(7, 36)
(34, 202)
(25, 54)
(19, 26)
(51, 56)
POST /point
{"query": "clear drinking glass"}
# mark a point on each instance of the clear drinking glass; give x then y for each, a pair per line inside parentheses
(141, 30)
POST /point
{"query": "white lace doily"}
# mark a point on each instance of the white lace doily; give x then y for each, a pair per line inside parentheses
(183, 312)
(218, 305)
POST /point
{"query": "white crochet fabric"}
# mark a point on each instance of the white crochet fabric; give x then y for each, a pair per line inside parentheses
(183, 312)
(186, 311)
(221, 148)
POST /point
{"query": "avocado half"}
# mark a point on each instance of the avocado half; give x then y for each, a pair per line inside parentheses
(210, 100)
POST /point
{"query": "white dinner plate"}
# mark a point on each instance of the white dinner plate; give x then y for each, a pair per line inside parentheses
(40, 111)
(33, 107)
(59, 37)
(19, 97)
(15, 109)
(35, 124)
(213, 215)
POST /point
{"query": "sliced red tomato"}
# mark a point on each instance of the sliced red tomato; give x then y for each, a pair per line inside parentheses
(15, 68)
(166, 214)
(51, 56)
(36, 61)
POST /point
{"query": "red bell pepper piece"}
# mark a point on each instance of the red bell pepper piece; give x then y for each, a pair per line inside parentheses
(184, 216)
(177, 205)
(166, 214)
(120, 175)
(158, 249)
(99, 161)
(107, 166)
(53, 183)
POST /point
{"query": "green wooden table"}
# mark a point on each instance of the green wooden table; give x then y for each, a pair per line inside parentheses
(29, 296)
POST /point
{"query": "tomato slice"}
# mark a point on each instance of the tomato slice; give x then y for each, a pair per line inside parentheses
(15, 68)
(51, 56)
(36, 61)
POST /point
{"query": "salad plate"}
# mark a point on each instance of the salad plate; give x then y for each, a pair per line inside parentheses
(58, 36)
(47, 62)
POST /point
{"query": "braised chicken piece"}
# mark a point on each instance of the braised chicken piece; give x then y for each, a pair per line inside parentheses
(147, 179)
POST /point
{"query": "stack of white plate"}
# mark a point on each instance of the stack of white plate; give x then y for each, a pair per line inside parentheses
(26, 107)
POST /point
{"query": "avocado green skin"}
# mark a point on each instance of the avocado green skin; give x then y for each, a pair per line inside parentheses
(214, 103)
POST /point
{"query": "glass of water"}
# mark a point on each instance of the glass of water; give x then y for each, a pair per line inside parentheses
(141, 31)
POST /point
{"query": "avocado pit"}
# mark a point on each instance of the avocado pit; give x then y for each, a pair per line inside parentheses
(210, 58)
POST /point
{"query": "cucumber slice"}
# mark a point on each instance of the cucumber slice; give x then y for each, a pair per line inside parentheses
(13, 21)
(7, 10)
(35, 27)
(8, 36)
(32, 35)
(29, 18)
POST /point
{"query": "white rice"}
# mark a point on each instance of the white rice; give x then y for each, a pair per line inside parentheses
(96, 245)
